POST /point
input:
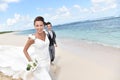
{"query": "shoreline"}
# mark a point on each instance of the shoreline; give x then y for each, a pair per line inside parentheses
(78, 60)
(90, 42)
(3, 32)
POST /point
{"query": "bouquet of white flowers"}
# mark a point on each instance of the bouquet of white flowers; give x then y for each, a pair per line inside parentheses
(32, 65)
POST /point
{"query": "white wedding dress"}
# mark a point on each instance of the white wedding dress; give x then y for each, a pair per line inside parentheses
(13, 61)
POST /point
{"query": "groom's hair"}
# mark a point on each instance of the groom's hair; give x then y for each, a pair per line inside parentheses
(49, 23)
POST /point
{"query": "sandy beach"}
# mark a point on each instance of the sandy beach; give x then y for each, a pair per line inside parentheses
(85, 62)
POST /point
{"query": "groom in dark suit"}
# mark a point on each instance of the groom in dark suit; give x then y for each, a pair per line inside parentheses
(52, 39)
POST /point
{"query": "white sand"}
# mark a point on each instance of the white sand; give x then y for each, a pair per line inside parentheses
(92, 62)
(11, 39)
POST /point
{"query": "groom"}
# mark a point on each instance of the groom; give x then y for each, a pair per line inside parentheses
(52, 39)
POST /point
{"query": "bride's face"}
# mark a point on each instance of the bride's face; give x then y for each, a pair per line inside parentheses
(39, 26)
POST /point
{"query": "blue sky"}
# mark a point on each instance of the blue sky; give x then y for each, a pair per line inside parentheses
(19, 14)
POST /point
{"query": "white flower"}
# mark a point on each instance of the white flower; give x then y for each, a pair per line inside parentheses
(32, 65)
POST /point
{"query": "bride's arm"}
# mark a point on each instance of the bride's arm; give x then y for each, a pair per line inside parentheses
(26, 47)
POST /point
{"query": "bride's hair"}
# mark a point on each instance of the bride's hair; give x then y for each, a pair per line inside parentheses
(39, 18)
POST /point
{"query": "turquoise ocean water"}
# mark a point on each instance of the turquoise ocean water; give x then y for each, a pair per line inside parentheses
(104, 31)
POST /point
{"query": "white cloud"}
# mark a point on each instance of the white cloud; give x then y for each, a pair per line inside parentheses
(103, 1)
(12, 21)
(17, 22)
(77, 7)
(4, 4)
(10, 1)
(60, 15)
(103, 5)
(113, 6)
(62, 12)
(79, 13)
(99, 8)
(43, 9)
(80, 9)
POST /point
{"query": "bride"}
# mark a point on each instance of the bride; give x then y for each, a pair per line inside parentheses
(41, 43)
(40, 55)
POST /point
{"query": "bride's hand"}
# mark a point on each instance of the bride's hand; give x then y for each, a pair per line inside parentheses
(30, 60)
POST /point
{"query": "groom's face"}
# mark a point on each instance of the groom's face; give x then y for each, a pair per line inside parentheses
(49, 26)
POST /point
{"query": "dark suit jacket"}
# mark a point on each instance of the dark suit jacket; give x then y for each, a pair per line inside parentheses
(52, 40)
